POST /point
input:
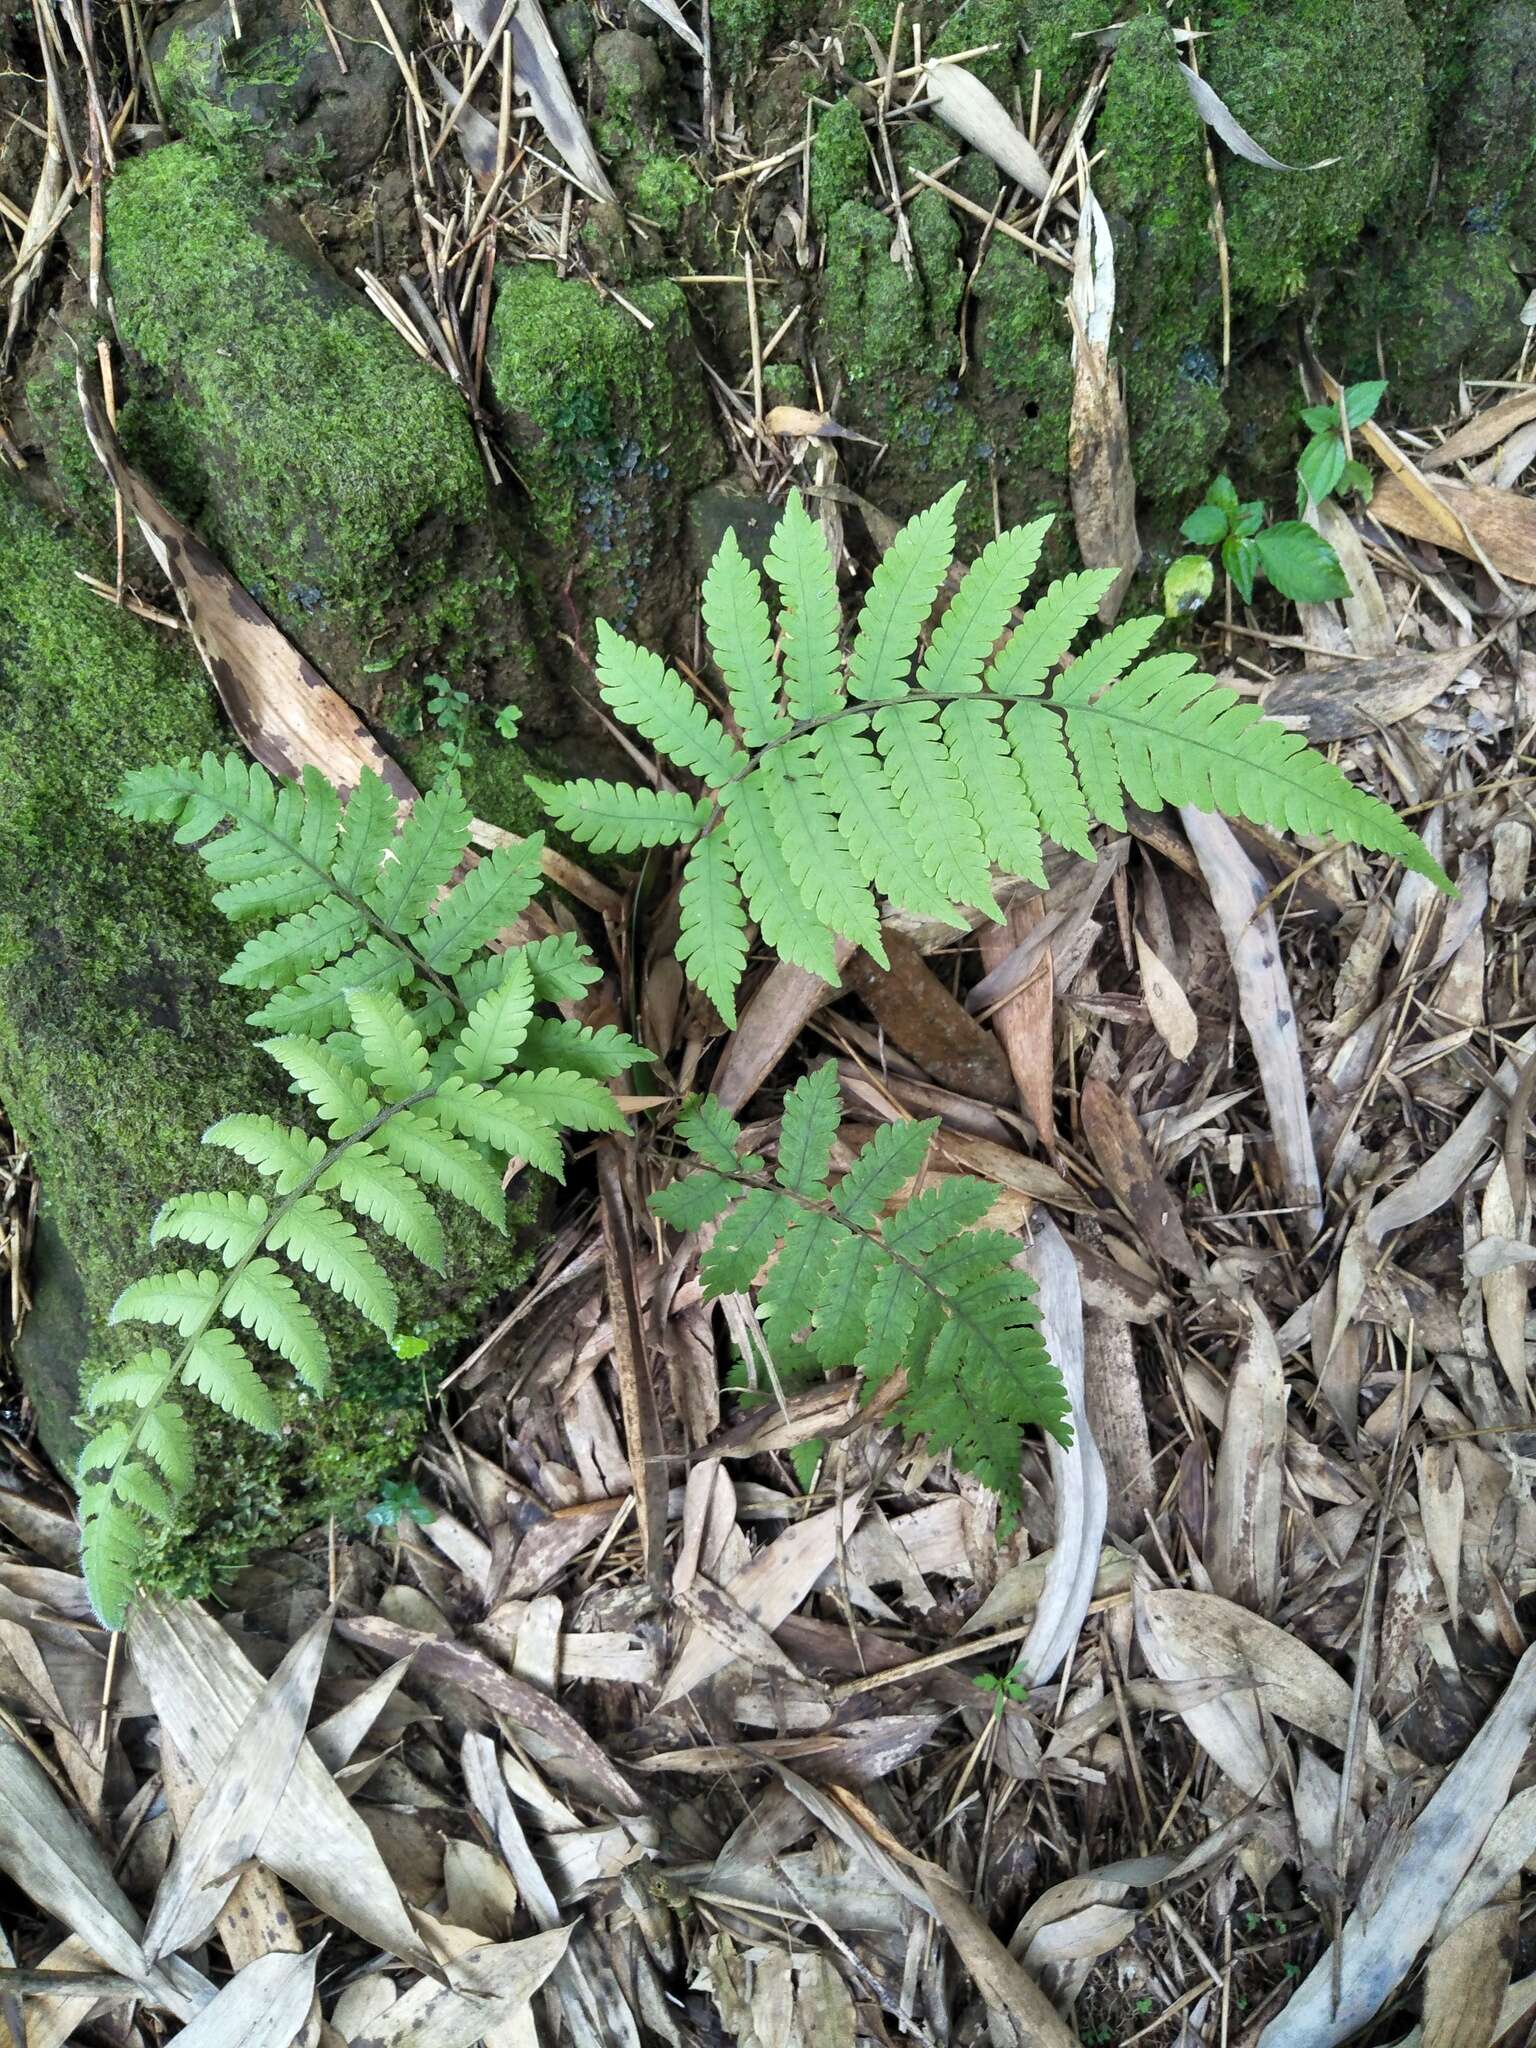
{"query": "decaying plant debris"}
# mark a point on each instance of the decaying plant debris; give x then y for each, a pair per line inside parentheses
(647, 1709)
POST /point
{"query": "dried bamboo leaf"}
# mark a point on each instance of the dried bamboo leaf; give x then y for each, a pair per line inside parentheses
(238, 1801)
(1437, 1180)
(1502, 523)
(203, 1688)
(1243, 1555)
(644, 1445)
(1103, 483)
(1264, 998)
(1344, 1993)
(492, 1986)
(979, 117)
(265, 2005)
(1216, 114)
(1344, 703)
(1080, 1506)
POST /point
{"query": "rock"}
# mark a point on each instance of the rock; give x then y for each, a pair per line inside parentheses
(611, 431)
(261, 75)
(729, 508)
(119, 1045)
(333, 470)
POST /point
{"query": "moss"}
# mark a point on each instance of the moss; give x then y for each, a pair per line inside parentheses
(1168, 290)
(666, 190)
(609, 426)
(976, 23)
(785, 384)
(202, 102)
(1059, 35)
(1447, 305)
(1488, 136)
(1309, 79)
(1024, 354)
(118, 1045)
(329, 467)
(839, 160)
(745, 33)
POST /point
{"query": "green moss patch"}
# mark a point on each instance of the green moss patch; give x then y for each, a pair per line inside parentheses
(118, 1047)
(610, 427)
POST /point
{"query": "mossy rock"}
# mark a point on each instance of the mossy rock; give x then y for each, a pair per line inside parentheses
(611, 431)
(1487, 134)
(1442, 306)
(840, 164)
(264, 79)
(1310, 79)
(119, 1046)
(334, 471)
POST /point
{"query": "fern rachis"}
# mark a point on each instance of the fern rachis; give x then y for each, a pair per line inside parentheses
(914, 783)
(922, 1291)
(418, 1050)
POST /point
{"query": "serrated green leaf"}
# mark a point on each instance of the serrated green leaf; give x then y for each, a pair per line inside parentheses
(1039, 747)
(387, 1195)
(366, 830)
(995, 788)
(694, 1200)
(639, 688)
(266, 1301)
(299, 945)
(621, 817)
(562, 966)
(322, 1241)
(444, 1161)
(712, 924)
(791, 1287)
(933, 801)
(820, 865)
(142, 1380)
(316, 1003)
(219, 1368)
(1045, 633)
(840, 1320)
(181, 1300)
(498, 1024)
(736, 622)
(977, 616)
(891, 1158)
(495, 892)
(604, 1053)
(284, 1153)
(166, 1441)
(766, 881)
(392, 1047)
(1300, 563)
(493, 1116)
(229, 1224)
(901, 595)
(810, 618)
(568, 1101)
(136, 1484)
(812, 1110)
(422, 858)
(707, 1127)
(743, 1242)
(341, 1099)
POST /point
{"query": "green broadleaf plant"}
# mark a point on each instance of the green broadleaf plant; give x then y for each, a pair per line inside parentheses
(916, 1288)
(419, 1054)
(1294, 556)
(910, 771)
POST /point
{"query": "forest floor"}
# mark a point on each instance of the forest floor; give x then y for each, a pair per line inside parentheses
(1227, 1740)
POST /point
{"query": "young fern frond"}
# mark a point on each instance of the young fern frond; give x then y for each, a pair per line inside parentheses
(419, 1054)
(922, 1290)
(911, 775)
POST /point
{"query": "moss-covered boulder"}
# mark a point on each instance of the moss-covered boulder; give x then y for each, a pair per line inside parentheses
(334, 471)
(611, 431)
(263, 78)
(118, 1046)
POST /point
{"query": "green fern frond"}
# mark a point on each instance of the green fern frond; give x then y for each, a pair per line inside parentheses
(844, 1279)
(419, 1052)
(916, 772)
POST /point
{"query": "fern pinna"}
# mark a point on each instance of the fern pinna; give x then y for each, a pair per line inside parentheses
(420, 1055)
(919, 1290)
(911, 775)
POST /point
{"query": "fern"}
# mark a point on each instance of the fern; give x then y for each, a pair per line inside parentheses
(417, 1052)
(912, 778)
(921, 1291)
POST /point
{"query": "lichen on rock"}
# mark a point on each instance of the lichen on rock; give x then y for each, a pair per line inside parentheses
(119, 1046)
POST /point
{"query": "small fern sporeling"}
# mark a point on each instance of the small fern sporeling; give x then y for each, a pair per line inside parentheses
(913, 775)
(419, 1053)
(918, 1290)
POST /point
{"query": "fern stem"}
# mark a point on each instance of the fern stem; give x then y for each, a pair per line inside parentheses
(283, 1208)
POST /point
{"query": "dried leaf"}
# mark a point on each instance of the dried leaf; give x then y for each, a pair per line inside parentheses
(643, 1442)
(1506, 1287)
(1167, 1005)
(265, 2005)
(1437, 1180)
(1264, 998)
(492, 1986)
(979, 117)
(1103, 483)
(1501, 522)
(1216, 114)
(918, 1013)
(1483, 431)
(1130, 1173)
(1243, 1555)
(1376, 1951)
(1361, 696)
(669, 12)
(203, 1689)
(1080, 1506)
(238, 1801)
(769, 1589)
(536, 62)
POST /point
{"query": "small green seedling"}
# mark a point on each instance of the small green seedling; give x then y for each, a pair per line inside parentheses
(1326, 464)
(452, 708)
(1005, 1690)
(1296, 559)
(399, 1501)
